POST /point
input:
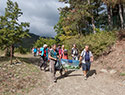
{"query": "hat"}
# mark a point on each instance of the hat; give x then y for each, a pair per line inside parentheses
(45, 45)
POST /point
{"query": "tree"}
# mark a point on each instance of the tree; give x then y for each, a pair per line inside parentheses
(115, 6)
(80, 17)
(41, 41)
(12, 31)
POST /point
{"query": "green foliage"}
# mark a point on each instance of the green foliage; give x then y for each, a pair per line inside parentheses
(11, 30)
(122, 74)
(77, 18)
(99, 43)
(41, 41)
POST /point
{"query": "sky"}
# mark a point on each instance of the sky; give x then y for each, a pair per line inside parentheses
(41, 14)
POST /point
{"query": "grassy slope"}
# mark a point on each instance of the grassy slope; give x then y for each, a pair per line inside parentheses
(18, 79)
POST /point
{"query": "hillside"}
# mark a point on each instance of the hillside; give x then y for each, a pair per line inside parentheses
(27, 79)
(28, 42)
(114, 60)
(106, 77)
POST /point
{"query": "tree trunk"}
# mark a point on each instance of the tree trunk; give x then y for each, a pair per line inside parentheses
(93, 21)
(13, 50)
(93, 25)
(11, 54)
(109, 10)
(121, 16)
(8, 51)
(124, 14)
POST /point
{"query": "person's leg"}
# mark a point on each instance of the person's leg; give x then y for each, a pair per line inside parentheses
(88, 68)
(61, 72)
(42, 62)
(84, 68)
(35, 54)
(85, 73)
(53, 70)
(45, 63)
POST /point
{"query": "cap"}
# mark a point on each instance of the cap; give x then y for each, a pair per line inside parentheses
(45, 45)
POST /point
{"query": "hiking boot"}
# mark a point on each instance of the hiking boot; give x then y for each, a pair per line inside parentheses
(85, 77)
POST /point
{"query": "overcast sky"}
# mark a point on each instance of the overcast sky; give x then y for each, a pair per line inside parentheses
(42, 14)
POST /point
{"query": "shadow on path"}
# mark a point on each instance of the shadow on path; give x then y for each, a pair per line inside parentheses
(91, 72)
(67, 74)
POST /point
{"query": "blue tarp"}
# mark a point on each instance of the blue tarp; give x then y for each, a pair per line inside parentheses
(70, 64)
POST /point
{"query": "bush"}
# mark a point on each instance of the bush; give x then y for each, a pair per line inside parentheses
(41, 41)
(99, 43)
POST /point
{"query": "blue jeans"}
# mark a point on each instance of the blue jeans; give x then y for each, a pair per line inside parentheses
(86, 66)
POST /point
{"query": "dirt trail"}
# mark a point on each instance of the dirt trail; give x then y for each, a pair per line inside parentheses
(74, 84)
(102, 83)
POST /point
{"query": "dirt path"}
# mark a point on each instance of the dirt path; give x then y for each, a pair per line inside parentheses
(74, 84)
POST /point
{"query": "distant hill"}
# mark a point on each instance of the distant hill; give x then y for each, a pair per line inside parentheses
(28, 42)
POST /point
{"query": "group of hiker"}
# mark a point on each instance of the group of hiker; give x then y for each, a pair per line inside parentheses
(54, 54)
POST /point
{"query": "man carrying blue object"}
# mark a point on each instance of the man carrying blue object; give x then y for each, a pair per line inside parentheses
(53, 56)
(86, 57)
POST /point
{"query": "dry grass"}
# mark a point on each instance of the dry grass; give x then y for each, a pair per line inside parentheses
(18, 79)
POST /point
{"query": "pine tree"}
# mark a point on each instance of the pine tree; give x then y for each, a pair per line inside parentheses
(12, 31)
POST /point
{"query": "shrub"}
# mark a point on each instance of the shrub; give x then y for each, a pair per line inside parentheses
(41, 41)
(99, 43)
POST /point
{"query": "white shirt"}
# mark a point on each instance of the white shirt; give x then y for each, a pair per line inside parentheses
(83, 55)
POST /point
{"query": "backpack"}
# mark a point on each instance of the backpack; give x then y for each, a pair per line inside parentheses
(87, 56)
(74, 51)
(35, 50)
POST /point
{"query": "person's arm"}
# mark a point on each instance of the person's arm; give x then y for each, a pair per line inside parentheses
(52, 58)
(81, 57)
(91, 57)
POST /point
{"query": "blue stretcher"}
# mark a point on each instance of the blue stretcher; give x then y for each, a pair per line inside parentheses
(70, 64)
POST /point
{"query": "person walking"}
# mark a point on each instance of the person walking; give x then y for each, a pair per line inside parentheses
(86, 57)
(35, 51)
(53, 55)
(61, 51)
(65, 54)
(43, 57)
(75, 52)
